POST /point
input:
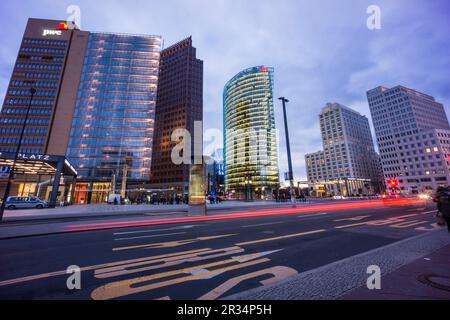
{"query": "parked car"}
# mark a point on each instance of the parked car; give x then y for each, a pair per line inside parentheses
(339, 198)
(13, 203)
(115, 199)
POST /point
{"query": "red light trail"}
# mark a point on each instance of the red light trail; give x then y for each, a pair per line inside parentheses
(241, 215)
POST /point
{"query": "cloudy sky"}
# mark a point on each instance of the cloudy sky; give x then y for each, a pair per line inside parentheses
(322, 51)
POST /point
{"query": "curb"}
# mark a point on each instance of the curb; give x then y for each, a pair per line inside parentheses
(332, 281)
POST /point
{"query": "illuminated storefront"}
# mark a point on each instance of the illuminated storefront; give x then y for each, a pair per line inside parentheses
(251, 165)
(55, 175)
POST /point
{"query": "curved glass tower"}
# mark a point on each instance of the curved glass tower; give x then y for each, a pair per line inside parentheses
(250, 146)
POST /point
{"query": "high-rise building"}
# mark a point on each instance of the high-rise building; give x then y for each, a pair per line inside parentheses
(179, 104)
(95, 103)
(216, 173)
(413, 136)
(348, 164)
(112, 128)
(250, 146)
(50, 60)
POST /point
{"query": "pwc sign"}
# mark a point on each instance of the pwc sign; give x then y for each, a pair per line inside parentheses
(58, 32)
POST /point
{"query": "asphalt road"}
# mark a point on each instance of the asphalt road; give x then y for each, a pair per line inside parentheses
(199, 260)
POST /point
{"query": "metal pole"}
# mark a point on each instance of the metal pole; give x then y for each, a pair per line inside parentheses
(16, 156)
(288, 145)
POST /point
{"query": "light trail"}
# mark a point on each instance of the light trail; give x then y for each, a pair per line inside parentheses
(242, 215)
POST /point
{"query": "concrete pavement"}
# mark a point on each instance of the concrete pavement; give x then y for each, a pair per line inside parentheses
(400, 263)
(427, 278)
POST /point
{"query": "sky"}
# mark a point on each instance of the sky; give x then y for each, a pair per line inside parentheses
(322, 51)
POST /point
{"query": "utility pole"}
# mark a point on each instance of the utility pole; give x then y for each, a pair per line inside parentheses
(288, 146)
(16, 156)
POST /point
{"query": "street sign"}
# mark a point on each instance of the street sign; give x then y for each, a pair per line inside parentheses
(286, 176)
(4, 172)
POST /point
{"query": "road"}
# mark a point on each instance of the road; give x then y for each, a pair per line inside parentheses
(209, 259)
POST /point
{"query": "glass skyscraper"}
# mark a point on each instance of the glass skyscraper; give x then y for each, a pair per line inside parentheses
(113, 122)
(250, 146)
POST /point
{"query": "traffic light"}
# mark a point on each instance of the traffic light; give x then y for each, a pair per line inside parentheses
(393, 184)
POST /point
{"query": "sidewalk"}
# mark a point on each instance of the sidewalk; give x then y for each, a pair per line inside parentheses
(105, 210)
(425, 278)
(404, 264)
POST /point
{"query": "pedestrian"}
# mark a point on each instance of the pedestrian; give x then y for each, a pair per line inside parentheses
(442, 199)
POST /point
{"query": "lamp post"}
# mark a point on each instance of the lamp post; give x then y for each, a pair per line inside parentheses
(16, 155)
(248, 187)
(288, 145)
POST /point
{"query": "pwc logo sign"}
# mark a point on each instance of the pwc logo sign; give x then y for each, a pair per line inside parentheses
(50, 32)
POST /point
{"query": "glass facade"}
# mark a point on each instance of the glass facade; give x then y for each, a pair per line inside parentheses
(113, 123)
(251, 159)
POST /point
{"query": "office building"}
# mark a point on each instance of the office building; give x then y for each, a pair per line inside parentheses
(348, 164)
(95, 104)
(111, 138)
(413, 136)
(179, 104)
(250, 146)
(50, 60)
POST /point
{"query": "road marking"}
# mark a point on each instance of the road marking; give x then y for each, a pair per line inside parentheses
(93, 267)
(263, 224)
(154, 230)
(151, 236)
(124, 288)
(408, 224)
(171, 244)
(427, 212)
(280, 238)
(278, 273)
(433, 227)
(240, 259)
(153, 264)
(388, 221)
(127, 287)
(358, 218)
(313, 215)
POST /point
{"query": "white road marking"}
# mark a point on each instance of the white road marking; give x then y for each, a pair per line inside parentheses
(151, 236)
(313, 215)
(262, 224)
(433, 211)
(154, 230)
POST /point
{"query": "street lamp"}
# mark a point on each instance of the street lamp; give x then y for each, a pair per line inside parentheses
(288, 145)
(248, 186)
(16, 155)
